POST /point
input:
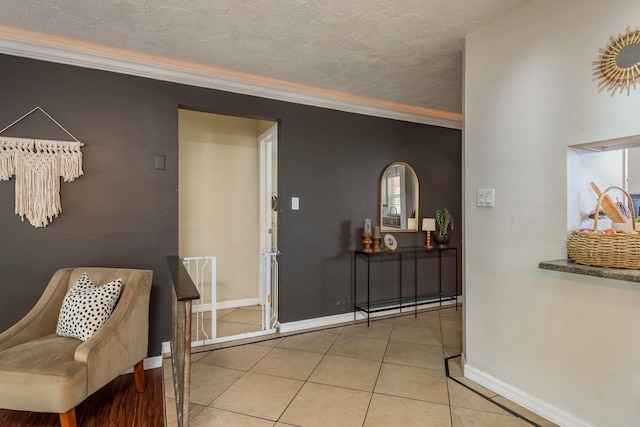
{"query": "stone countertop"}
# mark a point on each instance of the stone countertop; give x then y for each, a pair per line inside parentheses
(568, 266)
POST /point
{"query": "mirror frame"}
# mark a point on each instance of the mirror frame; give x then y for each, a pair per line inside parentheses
(416, 196)
(611, 76)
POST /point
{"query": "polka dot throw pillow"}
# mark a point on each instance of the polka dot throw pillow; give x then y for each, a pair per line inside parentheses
(86, 307)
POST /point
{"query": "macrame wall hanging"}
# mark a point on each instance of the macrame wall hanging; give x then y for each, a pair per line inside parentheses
(38, 165)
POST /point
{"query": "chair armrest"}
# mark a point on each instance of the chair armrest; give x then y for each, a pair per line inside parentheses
(123, 340)
(42, 319)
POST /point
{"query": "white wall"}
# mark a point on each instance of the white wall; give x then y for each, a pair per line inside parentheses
(218, 198)
(634, 171)
(565, 345)
(605, 169)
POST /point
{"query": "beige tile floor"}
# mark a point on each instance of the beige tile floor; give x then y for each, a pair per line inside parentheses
(389, 374)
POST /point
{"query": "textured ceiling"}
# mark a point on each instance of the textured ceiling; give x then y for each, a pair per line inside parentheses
(406, 51)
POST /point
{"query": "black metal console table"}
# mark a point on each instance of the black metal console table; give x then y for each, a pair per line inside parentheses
(401, 301)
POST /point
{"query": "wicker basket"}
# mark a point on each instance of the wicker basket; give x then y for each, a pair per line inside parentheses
(605, 250)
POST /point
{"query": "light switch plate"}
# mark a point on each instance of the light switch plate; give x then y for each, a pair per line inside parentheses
(295, 203)
(160, 162)
(486, 197)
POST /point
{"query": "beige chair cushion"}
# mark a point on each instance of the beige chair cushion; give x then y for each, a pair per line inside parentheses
(44, 371)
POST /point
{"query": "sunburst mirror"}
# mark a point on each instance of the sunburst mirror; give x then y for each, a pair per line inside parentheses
(619, 63)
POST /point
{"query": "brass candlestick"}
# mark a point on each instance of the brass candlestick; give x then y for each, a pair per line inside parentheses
(376, 243)
(428, 245)
(366, 242)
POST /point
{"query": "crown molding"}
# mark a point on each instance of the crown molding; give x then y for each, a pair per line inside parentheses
(30, 44)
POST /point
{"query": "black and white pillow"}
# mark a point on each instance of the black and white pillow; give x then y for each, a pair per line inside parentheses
(86, 307)
(84, 283)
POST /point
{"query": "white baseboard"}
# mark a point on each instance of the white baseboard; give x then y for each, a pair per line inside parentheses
(524, 399)
(248, 302)
(348, 317)
(318, 322)
(149, 363)
(222, 305)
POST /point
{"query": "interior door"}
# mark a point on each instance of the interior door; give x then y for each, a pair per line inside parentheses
(225, 216)
(269, 203)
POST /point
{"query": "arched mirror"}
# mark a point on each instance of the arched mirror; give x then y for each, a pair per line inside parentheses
(399, 198)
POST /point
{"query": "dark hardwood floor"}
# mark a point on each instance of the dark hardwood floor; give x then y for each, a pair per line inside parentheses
(118, 404)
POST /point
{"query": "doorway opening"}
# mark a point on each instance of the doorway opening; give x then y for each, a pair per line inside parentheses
(227, 227)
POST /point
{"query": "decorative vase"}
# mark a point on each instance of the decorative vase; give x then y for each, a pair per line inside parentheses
(441, 240)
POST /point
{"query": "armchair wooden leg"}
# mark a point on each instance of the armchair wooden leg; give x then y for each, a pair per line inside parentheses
(138, 375)
(68, 419)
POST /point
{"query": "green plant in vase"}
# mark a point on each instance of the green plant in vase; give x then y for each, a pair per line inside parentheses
(444, 224)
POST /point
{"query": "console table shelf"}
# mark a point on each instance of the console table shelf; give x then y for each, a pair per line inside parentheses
(401, 301)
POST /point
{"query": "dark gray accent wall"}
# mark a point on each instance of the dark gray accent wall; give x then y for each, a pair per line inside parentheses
(123, 212)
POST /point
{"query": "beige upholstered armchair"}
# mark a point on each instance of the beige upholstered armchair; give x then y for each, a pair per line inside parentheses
(41, 371)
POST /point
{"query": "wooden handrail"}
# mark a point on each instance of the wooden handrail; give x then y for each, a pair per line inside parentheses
(182, 283)
(184, 292)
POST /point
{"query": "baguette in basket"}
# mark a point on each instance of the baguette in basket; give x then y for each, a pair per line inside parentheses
(615, 250)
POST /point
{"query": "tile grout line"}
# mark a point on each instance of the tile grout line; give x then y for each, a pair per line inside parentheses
(324, 354)
(490, 399)
(378, 374)
(364, 419)
(446, 369)
(233, 383)
(512, 412)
